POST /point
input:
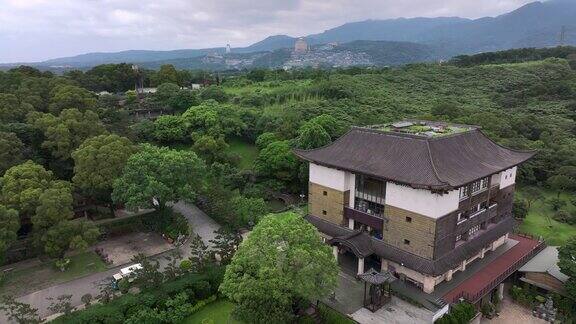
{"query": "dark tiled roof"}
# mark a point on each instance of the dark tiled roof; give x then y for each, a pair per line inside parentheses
(359, 242)
(412, 261)
(441, 163)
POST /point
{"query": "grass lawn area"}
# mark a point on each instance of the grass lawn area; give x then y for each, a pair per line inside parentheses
(18, 282)
(539, 221)
(217, 312)
(247, 152)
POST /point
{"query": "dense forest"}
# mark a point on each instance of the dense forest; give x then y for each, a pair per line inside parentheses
(55, 130)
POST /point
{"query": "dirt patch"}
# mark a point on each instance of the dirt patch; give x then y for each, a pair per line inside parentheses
(121, 249)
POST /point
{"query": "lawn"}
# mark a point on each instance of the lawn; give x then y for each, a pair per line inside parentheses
(539, 221)
(217, 312)
(19, 282)
(247, 152)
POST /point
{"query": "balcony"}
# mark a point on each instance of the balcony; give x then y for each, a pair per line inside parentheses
(372, 220)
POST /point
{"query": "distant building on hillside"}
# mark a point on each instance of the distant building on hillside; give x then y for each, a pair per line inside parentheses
(300, 46)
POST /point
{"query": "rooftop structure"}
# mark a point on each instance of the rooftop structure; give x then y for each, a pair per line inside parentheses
(425, 155)
(543, 271)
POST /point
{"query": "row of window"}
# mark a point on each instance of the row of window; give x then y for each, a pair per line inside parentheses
(475, 187)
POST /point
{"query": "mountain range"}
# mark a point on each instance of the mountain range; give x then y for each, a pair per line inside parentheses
(537, 24)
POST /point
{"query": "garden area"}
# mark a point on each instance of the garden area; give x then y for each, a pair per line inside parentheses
(44, 274)
(247, 152)
(542, 219)
(216, 312)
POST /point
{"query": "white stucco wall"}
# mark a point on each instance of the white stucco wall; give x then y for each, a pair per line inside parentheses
(508, 177)
(332, 178)
(420, 201)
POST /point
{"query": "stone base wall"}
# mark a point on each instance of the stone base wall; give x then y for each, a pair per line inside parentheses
(327, 203)
(420, 231)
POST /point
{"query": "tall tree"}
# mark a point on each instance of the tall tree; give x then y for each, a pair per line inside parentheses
(281, 263)
(312, 135)
(22, 186)
(71, 97)
(155, 176)
(11, 109)
(98, 162)
(11, 148)
(277, 160)
(9, 225)
(65, 133)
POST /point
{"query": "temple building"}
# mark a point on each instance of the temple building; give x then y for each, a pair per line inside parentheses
(420, 200)
(300, 46)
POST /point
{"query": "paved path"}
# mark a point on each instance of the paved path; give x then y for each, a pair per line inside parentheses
(512, 313)
(200, 224)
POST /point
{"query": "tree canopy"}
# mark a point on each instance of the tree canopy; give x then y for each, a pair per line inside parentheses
(282, 262)
(64, 133)
(11, 148)
(9, 225)
(99, 161)
(159, 174)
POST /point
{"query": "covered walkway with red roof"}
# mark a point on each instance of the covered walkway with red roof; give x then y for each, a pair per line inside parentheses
(494, 273)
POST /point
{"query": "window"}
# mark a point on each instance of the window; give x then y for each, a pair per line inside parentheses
(463, 193)
(462, 217)
(458, 237)
(479, 185)
(408, 219)
(325, 193)
(324, 212)
(407, 242)
(473, 230)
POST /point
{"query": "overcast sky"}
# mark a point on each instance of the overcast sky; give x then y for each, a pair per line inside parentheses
(34, 30)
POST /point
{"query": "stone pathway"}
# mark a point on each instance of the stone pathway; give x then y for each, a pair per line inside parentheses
(512, 313)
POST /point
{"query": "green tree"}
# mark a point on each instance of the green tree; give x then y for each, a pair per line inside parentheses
(11, 148)
(213, 119)
(284, 255)
(331, 125)
(277, 160)
(266, 139)
(65, 133)
(154, 176)
(69, 235)
(166, 74)
(311, 136)
(214, 93)
(520, 208)
(71, 97)
(54, 207)
(225, 244)
(531, 194)
(22, 186)
(149, 276)
(446, 109)
(248, 210)
(559, 183)
(567, 264)
(211, 148)
(11, 109)
(200, 256)
(166, 91)
(9, 225)
(183, 100)
(169, 129)
(98, 162)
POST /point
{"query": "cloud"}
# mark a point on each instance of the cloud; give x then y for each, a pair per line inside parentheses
(32, 30)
